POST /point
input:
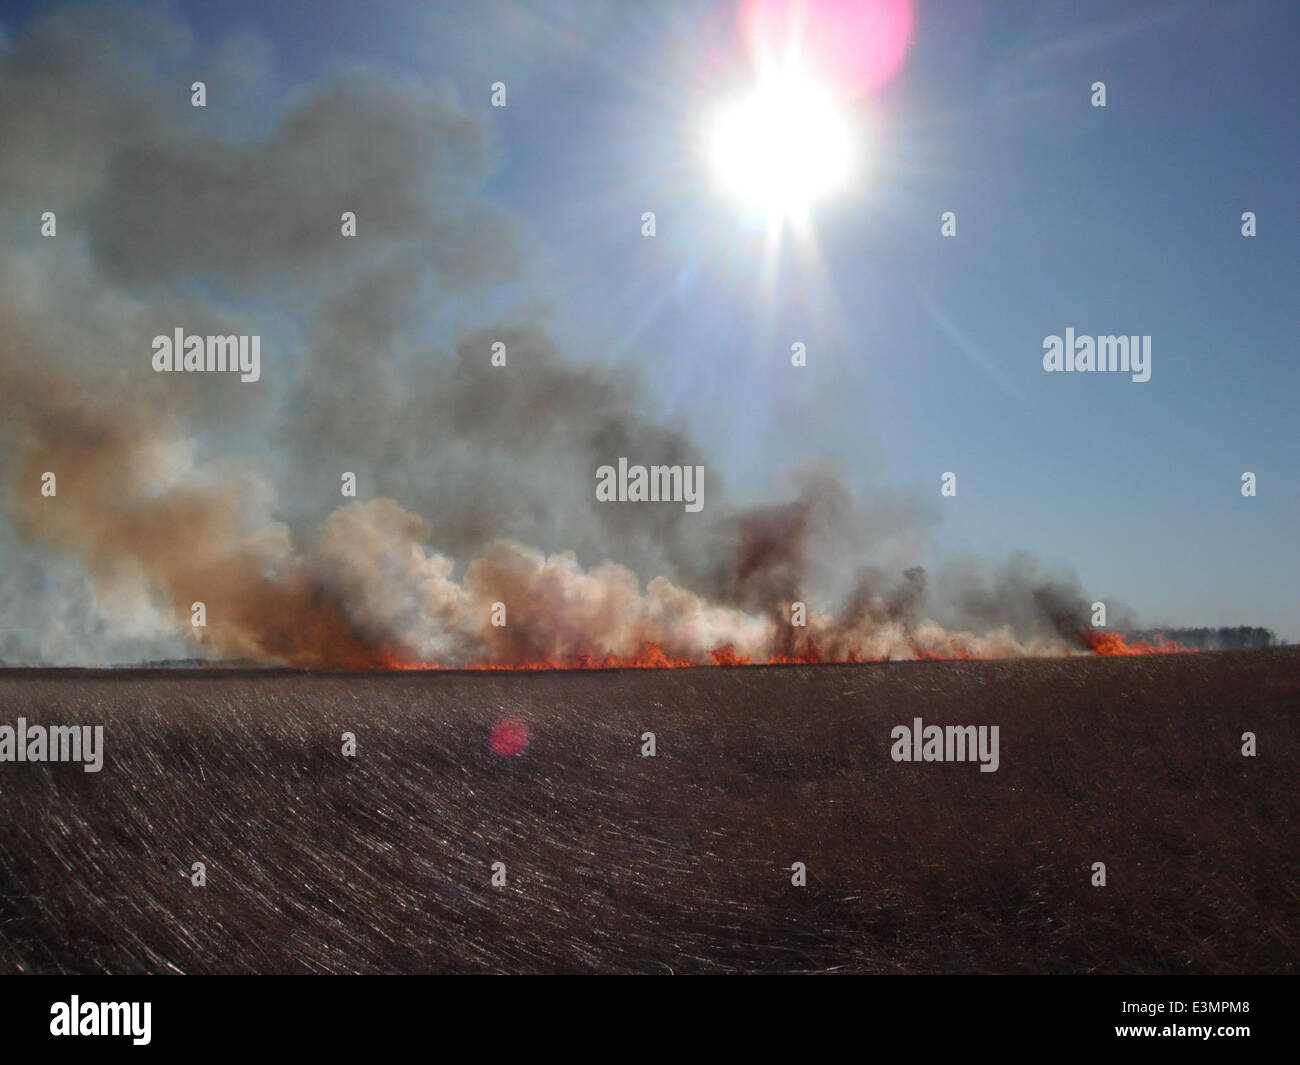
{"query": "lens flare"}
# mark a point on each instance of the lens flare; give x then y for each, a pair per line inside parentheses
(855, 45)
(509, 737)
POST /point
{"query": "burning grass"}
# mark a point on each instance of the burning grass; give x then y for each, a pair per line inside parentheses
(652, 656)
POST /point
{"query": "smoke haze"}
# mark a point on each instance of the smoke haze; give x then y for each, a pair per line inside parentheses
(476, 482)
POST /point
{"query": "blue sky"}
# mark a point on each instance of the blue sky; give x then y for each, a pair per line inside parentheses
(924, 352)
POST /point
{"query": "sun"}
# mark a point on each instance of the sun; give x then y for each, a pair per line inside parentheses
(782, 147)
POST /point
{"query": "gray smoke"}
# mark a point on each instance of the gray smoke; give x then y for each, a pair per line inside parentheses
(477, 482)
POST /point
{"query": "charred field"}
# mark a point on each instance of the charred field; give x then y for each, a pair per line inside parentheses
(680, 862)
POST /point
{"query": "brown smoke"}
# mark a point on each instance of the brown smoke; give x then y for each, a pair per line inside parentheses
(131, 507)
(464, 465)
(118, 508)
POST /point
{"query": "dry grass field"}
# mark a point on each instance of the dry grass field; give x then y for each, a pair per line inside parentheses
(678, 862)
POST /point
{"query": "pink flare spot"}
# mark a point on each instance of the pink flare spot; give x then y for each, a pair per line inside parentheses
(855, 45)
(509, 737)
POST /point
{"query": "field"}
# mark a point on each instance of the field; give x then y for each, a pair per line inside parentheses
(678, 862)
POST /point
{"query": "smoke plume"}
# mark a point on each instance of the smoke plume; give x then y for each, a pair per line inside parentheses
(477, 538)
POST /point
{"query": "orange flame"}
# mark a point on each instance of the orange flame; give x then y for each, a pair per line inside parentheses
(652, 656)
(1115, 643)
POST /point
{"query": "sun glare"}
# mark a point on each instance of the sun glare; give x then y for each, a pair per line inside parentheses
(782, 147)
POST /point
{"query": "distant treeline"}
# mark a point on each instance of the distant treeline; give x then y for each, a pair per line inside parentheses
(1208, 639)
